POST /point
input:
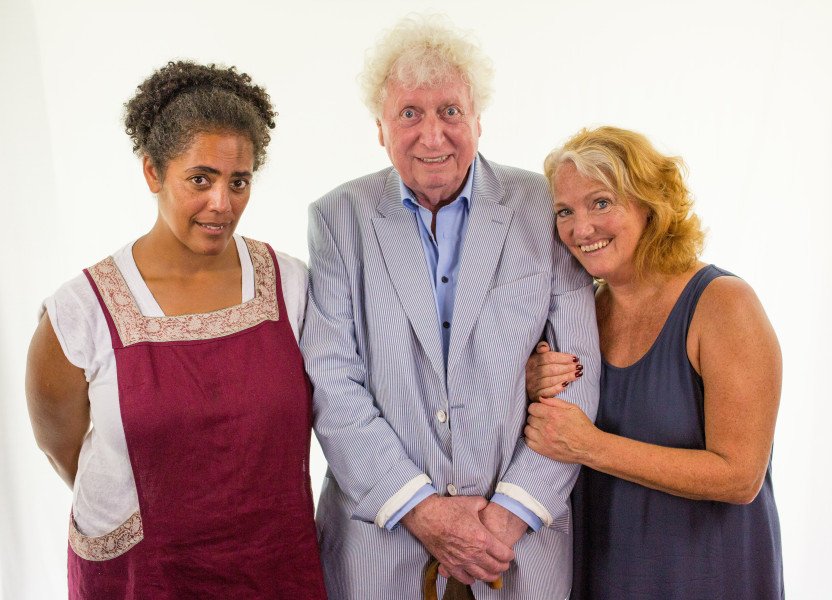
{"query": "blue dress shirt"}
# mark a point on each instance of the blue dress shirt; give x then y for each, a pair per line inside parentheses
(442, 254)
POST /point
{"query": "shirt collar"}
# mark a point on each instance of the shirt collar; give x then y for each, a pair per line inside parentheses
(409, 198)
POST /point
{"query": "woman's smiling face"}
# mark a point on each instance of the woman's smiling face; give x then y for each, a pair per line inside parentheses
(204, 191)
(599, 228)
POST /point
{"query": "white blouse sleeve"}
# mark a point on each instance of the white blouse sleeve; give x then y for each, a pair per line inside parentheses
(294, 281)
(79, 324)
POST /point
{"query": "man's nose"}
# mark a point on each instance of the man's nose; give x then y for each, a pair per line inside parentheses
(432, 133)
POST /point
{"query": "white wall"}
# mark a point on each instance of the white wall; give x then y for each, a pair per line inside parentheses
(741, 88)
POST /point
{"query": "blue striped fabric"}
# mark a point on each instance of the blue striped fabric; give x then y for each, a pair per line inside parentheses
(373, 350)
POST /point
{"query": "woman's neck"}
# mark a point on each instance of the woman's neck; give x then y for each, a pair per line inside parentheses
(634, 292)
(183, 282)
(163, 256)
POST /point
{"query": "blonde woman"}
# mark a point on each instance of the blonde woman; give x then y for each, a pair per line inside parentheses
(675, 499)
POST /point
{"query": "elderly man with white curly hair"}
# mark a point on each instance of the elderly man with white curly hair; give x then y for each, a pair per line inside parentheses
(431, 283)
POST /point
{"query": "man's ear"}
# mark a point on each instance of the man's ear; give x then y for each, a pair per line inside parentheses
(151, 175)
(380, 132)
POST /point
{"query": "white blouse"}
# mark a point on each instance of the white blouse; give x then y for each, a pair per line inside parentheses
(104, 496)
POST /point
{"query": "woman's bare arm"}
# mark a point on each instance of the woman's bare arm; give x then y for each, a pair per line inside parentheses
(733, 346)
(59, 408)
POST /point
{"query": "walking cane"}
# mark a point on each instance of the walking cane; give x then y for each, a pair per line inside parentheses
(430, 581)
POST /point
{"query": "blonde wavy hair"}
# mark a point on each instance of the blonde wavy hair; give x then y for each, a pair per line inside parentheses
(628, 164)
(425, 50)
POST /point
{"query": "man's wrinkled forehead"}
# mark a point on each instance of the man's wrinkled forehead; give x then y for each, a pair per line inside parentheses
(449, 89)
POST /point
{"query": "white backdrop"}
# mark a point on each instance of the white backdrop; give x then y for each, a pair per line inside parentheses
(742, 89)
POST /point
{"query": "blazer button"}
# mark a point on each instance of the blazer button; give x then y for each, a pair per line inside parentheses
(452, 489)
(440, 414)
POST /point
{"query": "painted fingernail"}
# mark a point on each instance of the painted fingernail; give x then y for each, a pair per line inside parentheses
(579, 374)
(574, 359)
(580, 367)
(565, 383)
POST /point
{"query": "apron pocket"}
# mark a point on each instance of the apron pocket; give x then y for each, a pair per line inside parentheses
(107, 546)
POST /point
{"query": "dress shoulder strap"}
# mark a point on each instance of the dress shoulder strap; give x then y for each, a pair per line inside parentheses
(689, 298)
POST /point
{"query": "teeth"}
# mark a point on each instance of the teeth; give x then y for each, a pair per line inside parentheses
(435, 160)
(214, 227)
(595, 246)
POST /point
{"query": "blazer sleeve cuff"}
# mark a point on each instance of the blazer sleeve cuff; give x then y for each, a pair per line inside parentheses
(390, 508)
(520, 495)
(374, 499)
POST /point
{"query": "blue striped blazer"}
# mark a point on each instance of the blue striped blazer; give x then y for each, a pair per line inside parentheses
(373, 350)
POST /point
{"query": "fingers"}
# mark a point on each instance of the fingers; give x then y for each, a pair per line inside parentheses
(477, 503)
(538, 412)
(484, 568)
(547, 373)
(487, 565)
(532, 436)
(500, 552)
(489, 571)
(554, 402)
(560, 430)
(504, 524)
(494, 584)
(543, 355)
(461, 576)
(533, 430)
(538, 425)
(552, 385)
(450, 529)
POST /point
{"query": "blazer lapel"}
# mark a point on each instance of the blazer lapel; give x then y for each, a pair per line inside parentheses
(488, 223)
(401, 246)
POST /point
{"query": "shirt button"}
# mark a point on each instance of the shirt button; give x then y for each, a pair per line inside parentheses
(444, 279)
(445, 324)
(440, 414)
(452, 489)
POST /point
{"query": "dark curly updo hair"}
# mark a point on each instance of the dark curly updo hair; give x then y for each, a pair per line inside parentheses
(184, 98)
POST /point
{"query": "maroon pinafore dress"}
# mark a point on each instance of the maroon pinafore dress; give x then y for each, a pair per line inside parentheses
(216, 410)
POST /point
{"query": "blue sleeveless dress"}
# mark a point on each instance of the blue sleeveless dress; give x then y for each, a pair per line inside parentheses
(632, 542)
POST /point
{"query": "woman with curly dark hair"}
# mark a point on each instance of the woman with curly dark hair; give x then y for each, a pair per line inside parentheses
(165, 384)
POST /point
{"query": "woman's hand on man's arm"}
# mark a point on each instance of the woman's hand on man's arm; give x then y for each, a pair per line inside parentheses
(547, 373)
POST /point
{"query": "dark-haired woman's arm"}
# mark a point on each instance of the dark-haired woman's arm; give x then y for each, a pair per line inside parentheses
(59, 408)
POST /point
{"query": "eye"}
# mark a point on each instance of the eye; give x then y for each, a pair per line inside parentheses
(200, 180)
(409, 113)
(604, 203)
(563, 213)
(240, 184)
(453, 111)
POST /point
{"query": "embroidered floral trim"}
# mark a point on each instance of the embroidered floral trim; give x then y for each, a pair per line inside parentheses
(133, 327)
(110, 545)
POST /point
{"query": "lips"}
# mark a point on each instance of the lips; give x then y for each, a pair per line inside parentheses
(438, 159)
(213, 227)
(594, 247)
